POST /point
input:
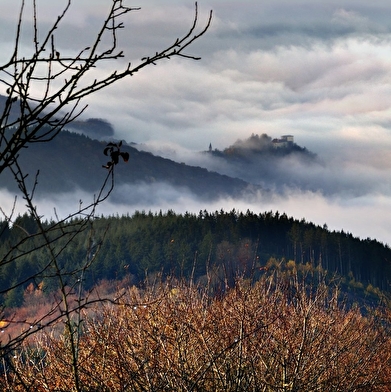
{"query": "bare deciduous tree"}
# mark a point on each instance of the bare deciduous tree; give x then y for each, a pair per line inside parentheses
(279, 334)
(44, 93)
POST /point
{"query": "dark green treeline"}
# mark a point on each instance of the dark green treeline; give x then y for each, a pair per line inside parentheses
(189, 245)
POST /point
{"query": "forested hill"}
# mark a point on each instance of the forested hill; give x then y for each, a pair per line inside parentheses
(72, 161)
(221, 244)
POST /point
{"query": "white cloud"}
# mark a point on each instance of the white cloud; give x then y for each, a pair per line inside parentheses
(349, 18)
(362, 216)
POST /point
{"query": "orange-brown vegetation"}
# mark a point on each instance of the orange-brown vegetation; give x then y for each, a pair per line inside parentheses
(280, 333)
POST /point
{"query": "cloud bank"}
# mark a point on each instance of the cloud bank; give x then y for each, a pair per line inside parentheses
(363, 216)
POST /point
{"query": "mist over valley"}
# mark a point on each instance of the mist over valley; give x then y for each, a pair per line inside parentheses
(257, 173)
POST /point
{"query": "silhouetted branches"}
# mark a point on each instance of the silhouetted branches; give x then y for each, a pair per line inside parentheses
(66, 79)
(44, 92)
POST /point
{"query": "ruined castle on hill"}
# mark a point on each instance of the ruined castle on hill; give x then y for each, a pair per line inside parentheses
(284, 141)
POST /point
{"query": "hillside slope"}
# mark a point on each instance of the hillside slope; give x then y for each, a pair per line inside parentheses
(73, 161)
(214, 247)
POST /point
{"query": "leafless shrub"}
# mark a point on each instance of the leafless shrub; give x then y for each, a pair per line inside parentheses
(275, 335)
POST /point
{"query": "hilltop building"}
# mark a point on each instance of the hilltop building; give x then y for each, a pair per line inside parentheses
(284, 141)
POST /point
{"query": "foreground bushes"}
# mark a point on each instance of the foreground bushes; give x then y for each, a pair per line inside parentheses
(277, 334)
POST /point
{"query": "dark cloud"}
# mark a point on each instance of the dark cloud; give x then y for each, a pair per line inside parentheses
(292, 34)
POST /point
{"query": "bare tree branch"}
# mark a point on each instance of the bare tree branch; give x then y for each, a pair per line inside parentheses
(45, 90)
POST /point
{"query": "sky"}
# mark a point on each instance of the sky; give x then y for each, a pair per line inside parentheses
(319, 70)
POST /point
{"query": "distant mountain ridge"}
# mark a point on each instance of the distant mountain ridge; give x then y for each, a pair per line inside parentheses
(95, 128)
(74, 161)
(70, 162)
